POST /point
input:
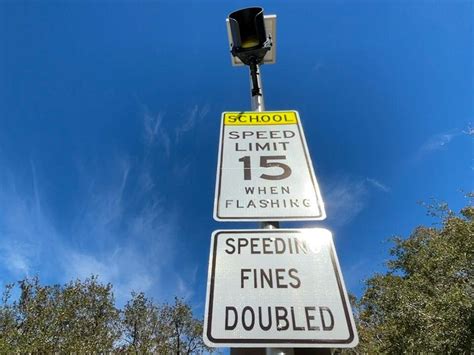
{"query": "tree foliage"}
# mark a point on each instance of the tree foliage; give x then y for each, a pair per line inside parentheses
(141, 325)
(163, 329)
(183, 331)
(81, 317)
(423, 303)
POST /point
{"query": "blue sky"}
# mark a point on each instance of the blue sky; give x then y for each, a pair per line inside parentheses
(109, 124)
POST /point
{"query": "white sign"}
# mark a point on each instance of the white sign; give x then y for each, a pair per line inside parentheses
(276, 288)
(264, 170)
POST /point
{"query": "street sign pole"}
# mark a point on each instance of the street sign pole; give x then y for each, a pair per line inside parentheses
(258, 104)
(256, 89)
(254, 196)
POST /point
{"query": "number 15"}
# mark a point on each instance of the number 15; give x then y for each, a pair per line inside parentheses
(265, 162)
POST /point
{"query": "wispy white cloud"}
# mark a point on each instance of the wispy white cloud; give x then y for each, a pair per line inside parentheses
(469, 130)
(24, 228)
(35, 189)
(186, 285)
(184, 290)
(103, 202)
(152, 124)
(17, 258)
(155, 133)
(123, 268)
(346, 199)
(126, 235)
(120, 226)
(121, 230)
(193, 117)
(436, 142)
(181, 168)
(316, 67)
(376, 183)
(356, 273)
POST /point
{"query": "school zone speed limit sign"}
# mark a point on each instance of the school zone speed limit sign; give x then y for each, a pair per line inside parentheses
(264, 170)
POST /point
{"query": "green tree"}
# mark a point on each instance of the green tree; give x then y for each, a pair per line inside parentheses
(87, 317)
(423, 303)
(79, 316)
(8, 322)
(162, 329)
(141, 325)
(182, 332)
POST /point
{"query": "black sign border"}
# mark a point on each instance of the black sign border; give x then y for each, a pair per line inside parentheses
(274, 341)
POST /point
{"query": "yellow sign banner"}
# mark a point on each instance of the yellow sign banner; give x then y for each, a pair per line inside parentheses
(248, 118)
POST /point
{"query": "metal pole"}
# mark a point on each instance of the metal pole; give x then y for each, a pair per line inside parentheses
(256, 90)
(258, 104)
(279, 351)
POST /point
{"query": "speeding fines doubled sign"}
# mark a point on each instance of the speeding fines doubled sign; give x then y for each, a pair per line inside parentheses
(276, 288)
(264, 169)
